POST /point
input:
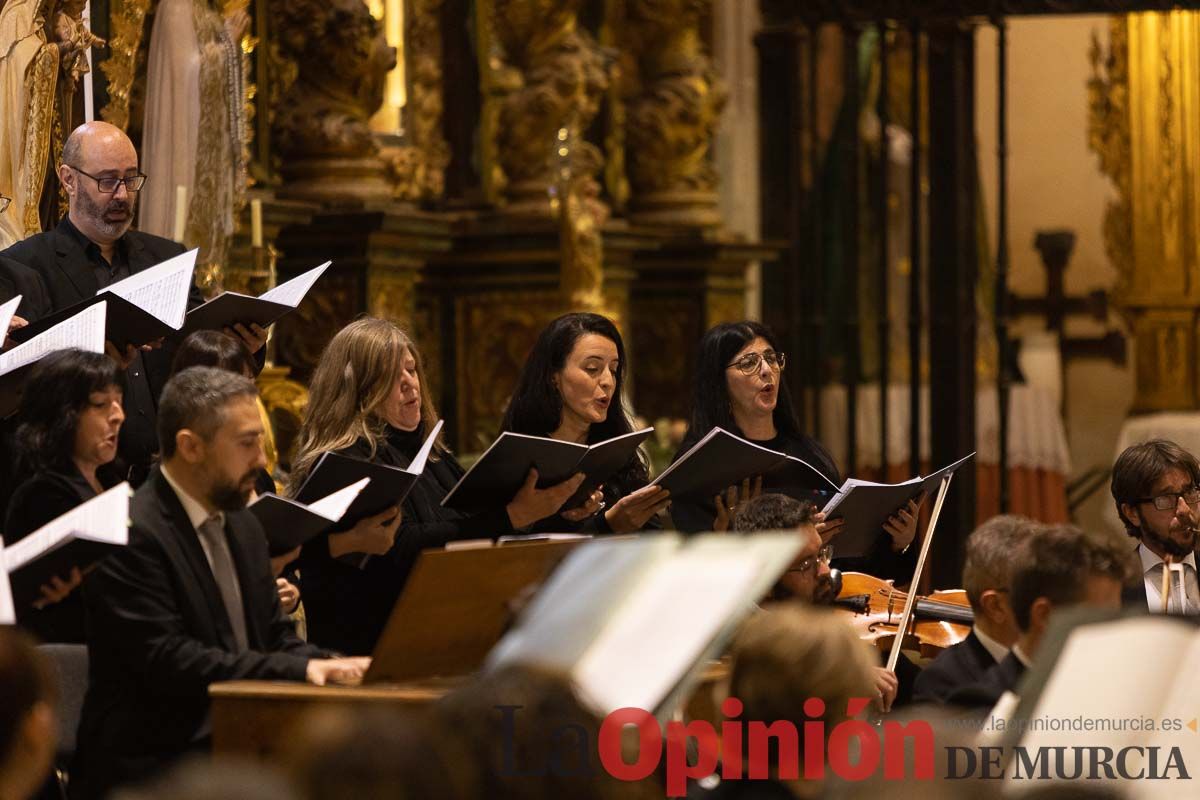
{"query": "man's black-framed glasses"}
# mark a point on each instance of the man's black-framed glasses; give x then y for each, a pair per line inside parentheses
(1169, 500)
(823, 556)
(749, 363)
(109, 185)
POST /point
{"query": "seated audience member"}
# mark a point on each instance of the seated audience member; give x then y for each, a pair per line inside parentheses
(808, 580)
(1054, 567)
(571, 389)
(987, 574)
(69, 422)
(191, 599)
(781, 658)
(518, 719)
(366, 401)
(1156, 486)
(220, 350)
(739, 387)
(28, 729)
(371, 753)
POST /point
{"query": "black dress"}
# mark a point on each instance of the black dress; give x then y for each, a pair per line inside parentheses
(695, 514)
(347, 607)
(39, 500)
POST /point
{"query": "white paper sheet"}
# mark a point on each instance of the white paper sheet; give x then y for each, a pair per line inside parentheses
(8, 613)
(333, 506)
(161, 290)
(290, 293)
(418, 463)
(85, 331)
(104, 518)
(7, 311)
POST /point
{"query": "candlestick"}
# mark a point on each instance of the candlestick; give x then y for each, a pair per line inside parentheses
(180, 212)
(256, 237)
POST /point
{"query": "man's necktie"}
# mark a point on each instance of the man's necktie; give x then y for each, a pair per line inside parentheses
(225, 574)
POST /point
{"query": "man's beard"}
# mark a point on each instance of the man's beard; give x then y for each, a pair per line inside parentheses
(1170, 545)
(231, 496)
(95, 214)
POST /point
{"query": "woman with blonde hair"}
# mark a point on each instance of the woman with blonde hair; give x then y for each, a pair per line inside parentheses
(366, 401)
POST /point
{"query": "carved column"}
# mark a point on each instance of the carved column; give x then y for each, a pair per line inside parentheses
(1145, 126)
(418, 168)
(672, 111)
(339, 61)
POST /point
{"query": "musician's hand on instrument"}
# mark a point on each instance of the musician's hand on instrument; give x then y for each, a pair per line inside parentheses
(57, 589)
(594, 503)
(887, 685)
(827, 529)
(532, 503)
(631, 513)
(902, 526)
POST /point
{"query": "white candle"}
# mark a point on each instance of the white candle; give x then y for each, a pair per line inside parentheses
(256, 239)
(180, 212)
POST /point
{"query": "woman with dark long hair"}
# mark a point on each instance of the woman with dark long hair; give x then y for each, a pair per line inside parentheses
(571, 390)
(367, 401)
(739, 387)
(68, 424)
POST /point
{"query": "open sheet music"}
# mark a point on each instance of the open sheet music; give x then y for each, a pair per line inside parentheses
(498, 474)
(865, 506)
(161, 290)
(84, 331)
(7, 312)
(78, 538)
(721, 459)
(289, 523)
(8, 612)
(229, 308)
(634, 620)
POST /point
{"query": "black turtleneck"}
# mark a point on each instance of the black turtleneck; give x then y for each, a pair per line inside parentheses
(346, 607)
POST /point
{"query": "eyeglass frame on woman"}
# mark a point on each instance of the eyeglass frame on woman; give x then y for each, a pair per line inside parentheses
(823, 556)
(140, 177)
(1173, 498)
(755, 360)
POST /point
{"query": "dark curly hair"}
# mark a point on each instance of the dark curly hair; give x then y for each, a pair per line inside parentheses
(59, 388)
(536, 405)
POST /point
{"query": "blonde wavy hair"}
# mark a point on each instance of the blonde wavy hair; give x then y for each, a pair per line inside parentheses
(355, 375)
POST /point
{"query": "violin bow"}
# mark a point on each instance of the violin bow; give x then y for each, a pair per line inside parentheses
(911, 599)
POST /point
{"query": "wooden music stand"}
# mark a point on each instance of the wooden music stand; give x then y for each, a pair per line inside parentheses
(455, 607)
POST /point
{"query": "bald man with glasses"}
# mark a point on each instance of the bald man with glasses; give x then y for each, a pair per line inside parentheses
(1156, 488)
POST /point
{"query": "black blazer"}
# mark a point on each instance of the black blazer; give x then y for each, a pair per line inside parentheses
(41, 499)
(955, 668)
(18, 279)
(986, 692)
(158, 636)
(61, 261)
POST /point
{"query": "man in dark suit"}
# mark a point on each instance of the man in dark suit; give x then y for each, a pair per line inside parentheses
(191, 600)
(1055, 567)
(94, 247)
(986, 576)
(1156, 487)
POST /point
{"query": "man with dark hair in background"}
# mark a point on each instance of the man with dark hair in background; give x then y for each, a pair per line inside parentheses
(1156, 487)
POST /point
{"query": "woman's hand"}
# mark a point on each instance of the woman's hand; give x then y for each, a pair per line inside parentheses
(631, 513)
(902, 526)
(594, 503)
(532, 503)
(289, 595)
(827, 529)
(57, 589)
(373, 535)
(727, 503)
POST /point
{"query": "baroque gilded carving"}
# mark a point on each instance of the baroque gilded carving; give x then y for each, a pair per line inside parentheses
(672, 114)
(1108, 138)
(543, 74)
(301, 335)
(320, 129)
(418, 169)
(126, 21)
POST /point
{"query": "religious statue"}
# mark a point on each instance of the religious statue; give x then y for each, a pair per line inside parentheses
(38, 79)
(195, 71)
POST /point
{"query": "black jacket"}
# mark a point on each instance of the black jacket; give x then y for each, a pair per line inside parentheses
(987, 691)
(346, 608)
(158, 636)
(39, 500)
(18, 279)
(955, 668)
(62, 261)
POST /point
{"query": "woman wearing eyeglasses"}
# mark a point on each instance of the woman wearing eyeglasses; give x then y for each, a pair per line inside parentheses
(571, 389)
(739, 387)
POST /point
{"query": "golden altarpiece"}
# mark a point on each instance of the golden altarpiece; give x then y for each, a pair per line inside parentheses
(474, 168)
